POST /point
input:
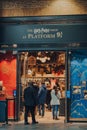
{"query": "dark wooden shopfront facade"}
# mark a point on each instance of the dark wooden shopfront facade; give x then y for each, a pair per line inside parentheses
(53, 33)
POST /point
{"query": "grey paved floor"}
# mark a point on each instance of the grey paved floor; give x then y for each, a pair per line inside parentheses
(45, 123)
(45, 126)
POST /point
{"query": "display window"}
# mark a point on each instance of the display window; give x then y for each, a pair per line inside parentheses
(44, 65)
(78, 85)
(8, 79)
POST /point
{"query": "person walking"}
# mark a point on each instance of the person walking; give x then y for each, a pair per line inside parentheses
(30, 102)
(55, 102)
(42, 99)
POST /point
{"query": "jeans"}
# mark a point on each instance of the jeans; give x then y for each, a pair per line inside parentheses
(55, 109)
(41, 108)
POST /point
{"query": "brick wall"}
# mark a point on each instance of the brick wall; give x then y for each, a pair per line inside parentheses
(42, 7)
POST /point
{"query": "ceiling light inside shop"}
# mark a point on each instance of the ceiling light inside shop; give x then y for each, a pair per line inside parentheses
(4, 46)
(14, 45)
(14, 52)
(2, 51)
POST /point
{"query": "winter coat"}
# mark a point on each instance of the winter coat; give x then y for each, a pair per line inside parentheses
(42, 94)
(55, 99)
(30, 96)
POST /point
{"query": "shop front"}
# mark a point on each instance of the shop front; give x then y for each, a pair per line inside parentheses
(52, 49)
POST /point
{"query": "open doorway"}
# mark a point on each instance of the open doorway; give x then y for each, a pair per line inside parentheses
(47, 66)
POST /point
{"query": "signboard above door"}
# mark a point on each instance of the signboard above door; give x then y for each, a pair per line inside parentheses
(43, 33)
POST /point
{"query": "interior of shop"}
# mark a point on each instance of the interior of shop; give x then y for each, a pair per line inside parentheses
(47, 66)
(43, 65)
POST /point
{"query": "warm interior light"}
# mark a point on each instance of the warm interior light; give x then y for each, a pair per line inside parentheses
(42, 56)
(14, 45)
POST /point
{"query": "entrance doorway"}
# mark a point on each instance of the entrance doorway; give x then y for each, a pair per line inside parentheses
(47, 66)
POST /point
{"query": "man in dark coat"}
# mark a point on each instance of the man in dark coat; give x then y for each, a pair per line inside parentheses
(30, 101)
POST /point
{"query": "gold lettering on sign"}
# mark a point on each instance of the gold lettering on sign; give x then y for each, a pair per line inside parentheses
(59, 34)
(39, 36)
(24, 37)
(42, 33)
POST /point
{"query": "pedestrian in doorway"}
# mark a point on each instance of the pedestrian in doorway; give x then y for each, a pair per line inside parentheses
(42, 99)
(55, 102)
(30, 101)
(36, 86)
